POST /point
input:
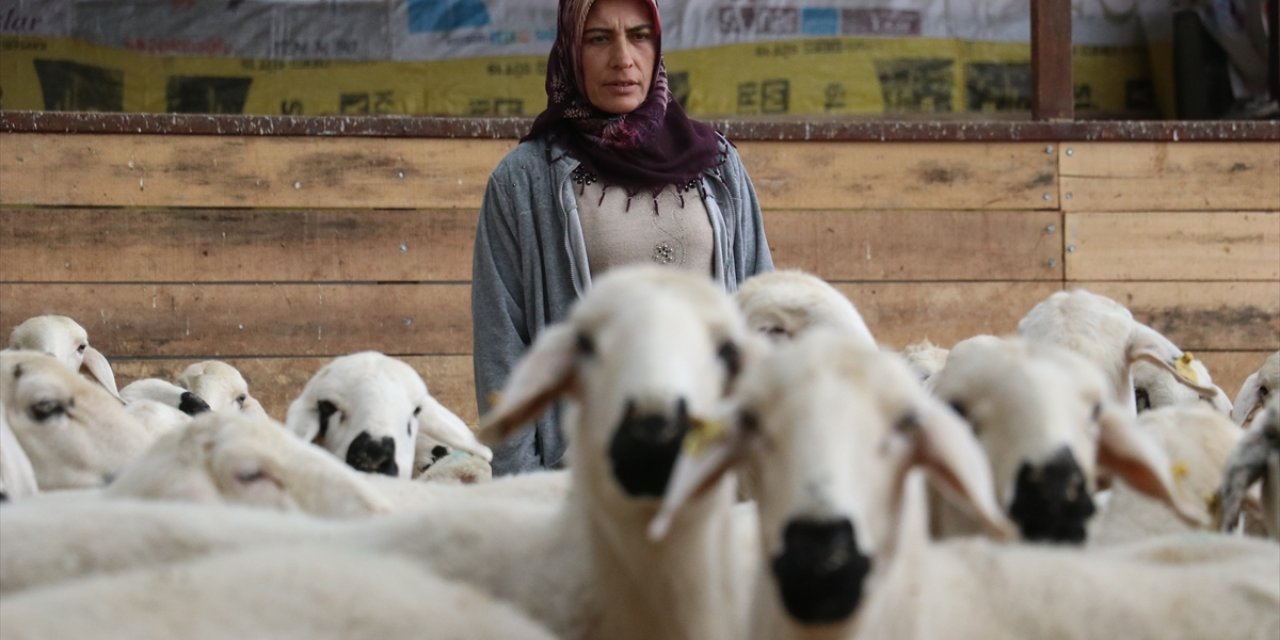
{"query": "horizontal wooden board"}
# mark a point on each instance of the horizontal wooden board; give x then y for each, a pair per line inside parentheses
(227, 320)
(230, 245)
(870, 175)
(901, 313)
(1203, 316)
(1170, 176)
(245, 171)
(231, 320)
(918, 245)
(1173, 246)
(255, 245)
(275, 382)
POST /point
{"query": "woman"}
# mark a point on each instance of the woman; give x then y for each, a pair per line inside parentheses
(612, 172)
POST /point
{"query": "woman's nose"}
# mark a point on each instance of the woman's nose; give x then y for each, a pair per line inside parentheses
(622, 56)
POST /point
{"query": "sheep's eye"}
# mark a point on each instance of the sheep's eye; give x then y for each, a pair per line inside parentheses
(46, 409)
(438, 452)
(81, 348)
(959, 409)
(774, 331)
(1097, 411)
(241, 398)
(907, 422)
(585, 345)
(732, 358)
(1142, 398)
(417, 410)
(249, 477)
(1263, 392)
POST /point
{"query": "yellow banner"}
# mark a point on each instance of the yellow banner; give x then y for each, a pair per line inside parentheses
(809, 77)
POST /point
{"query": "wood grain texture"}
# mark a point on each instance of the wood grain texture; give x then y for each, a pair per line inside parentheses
(1200, 176)
(228, 171)
(275, 382)
(918, 245)
(868, 175)
(1173, 246)
(1203, 316)
(235, 245)
(233, 320)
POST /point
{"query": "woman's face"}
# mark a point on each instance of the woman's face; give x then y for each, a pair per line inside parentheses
(618, 52)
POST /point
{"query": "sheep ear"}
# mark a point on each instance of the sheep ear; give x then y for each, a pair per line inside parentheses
(1249, 399)
(308, 418)
(1148, 344)
(437, 422)
(1245, 465)
(544, 373)
(100, 369)
(912, 519)
(1143, 464)
(710, 450)
(947, 448)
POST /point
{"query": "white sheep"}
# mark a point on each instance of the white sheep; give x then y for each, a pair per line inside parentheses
(1048, 423)
(17, 478)
(311, 592)
(926, 359)
(1154, 387)
(1198, 439)
(160, 404)
(367, 408)
(164, 392)
(1106, 333)
(221, 386)
(780, 304)
(1257, 389)
(233, 458)
(75, 433)
(64, 339)
(1255, 457)
(646, 353)
(838, 437)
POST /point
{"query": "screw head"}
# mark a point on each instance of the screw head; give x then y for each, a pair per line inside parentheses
(297, 184)
(1050, 229)
(1053, 263)
(1071, 248)
(1070, 151)
(1048, 149)
(1048, 196)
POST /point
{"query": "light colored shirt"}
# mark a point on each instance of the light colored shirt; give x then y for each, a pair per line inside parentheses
(667, 228)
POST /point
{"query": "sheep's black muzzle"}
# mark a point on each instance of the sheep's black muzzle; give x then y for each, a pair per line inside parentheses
(820, 571)
(644, 449)
(192, 404)
(373, 456)
(1051, 502)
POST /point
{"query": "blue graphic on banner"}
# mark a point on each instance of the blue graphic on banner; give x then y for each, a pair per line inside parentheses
(815, 21)
(446, 15)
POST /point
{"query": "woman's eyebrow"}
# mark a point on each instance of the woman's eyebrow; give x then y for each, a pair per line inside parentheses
(607, 30)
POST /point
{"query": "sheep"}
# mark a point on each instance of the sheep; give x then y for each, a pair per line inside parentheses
(366, 408)
(781, 304)
(926, 359)
(233, 458)
(1154, 387)
(839, 437)
(75, 433)
(310, 592)
(64, 339)
(643, 356)
(1047, 422)
(221, 386)
(164, 392)
(1197, 438)
(1256, 456)
(1106, 333)
(1256, 390)
(17, 478)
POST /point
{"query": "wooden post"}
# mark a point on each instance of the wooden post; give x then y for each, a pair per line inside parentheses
(1052, 93)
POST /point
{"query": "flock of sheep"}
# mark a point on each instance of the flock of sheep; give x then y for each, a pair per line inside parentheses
(741, 466)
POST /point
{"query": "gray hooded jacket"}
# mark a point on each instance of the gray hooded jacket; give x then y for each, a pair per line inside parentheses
(530, 265)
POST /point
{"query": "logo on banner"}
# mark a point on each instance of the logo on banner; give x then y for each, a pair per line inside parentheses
(446, 15)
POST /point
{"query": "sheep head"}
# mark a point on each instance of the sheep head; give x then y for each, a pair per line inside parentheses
(68, 342)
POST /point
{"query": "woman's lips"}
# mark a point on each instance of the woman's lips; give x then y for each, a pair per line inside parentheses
(621, 88)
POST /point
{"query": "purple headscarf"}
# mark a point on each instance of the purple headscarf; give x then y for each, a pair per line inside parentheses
(653, 146)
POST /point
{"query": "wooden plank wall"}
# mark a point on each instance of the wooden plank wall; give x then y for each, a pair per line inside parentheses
(278, 253)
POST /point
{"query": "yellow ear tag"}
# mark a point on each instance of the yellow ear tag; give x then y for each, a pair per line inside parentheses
(1183, 367)
(1180, 470)
(703, 433)
(494, 398)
